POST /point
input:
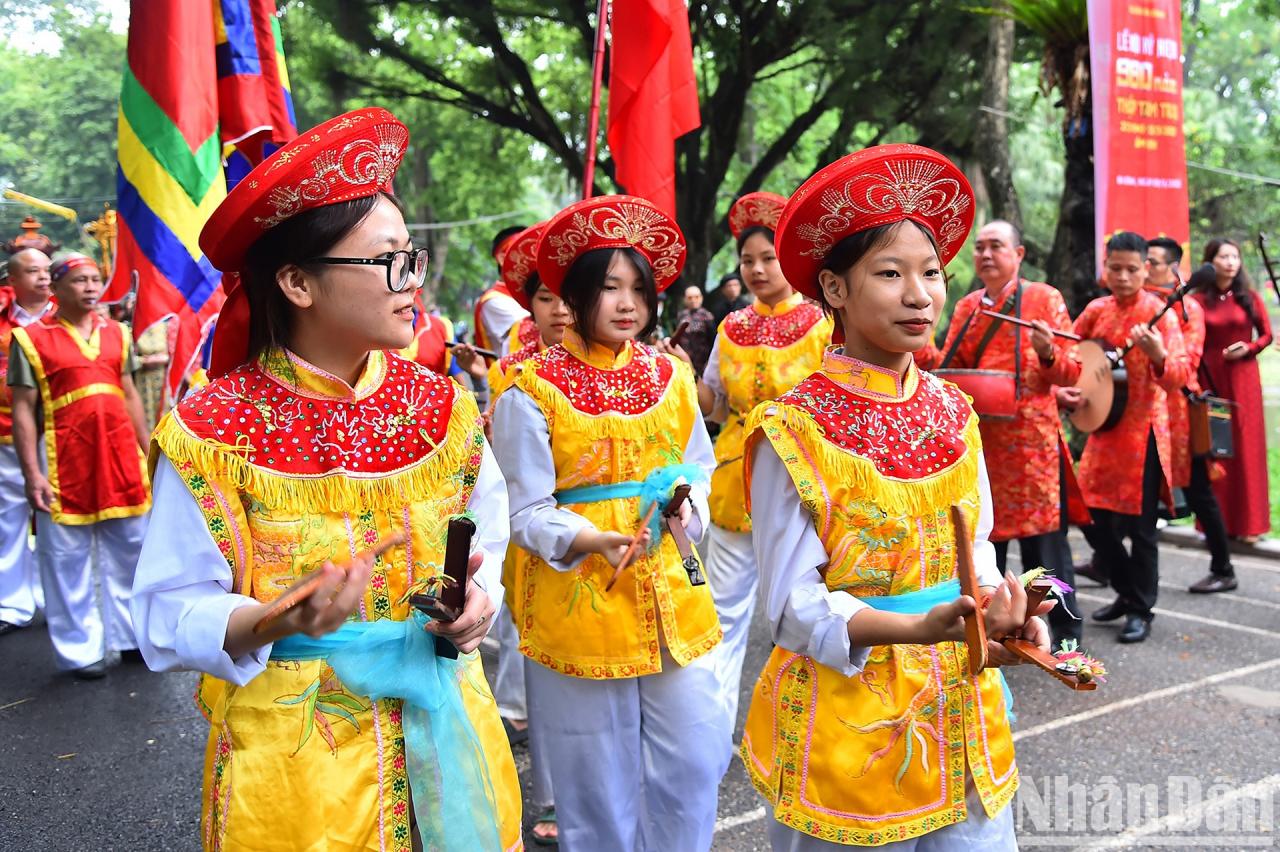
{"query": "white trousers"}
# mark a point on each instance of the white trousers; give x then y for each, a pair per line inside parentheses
(20, 593)
(734, 580)
(975, 834)
(636, 763)
(508, 680)
(509, 693)
(87, 573)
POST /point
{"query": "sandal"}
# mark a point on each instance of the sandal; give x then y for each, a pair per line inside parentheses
(547, 817)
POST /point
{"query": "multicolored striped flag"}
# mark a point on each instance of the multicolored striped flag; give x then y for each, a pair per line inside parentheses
(200, 77)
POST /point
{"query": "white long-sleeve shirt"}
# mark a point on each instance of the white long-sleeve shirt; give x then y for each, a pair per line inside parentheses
(182, 598)
(805, 616)
(524, 452)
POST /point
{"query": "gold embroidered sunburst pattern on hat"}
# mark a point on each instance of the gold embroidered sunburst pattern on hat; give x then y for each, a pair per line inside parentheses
(624, 223)
(756, 209)
(914, 189)
(344, 173)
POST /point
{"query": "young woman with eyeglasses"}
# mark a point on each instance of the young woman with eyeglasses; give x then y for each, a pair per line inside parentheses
(316, 451)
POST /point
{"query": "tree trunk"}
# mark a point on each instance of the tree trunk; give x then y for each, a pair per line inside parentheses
(1072, 266)
(993, 124)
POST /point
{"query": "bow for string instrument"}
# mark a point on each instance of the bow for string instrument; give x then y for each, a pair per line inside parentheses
(1104, 378)
(1269, 264)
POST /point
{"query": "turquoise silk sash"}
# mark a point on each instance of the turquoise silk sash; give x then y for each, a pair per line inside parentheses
(653, 488)
(453, 796)
(920, 602)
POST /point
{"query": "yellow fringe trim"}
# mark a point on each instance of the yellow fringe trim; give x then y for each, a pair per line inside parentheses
(897, 496)
(814, 341)
(334, 491)
(680, 392)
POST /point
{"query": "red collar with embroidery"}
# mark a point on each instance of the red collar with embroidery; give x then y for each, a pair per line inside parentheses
(506, 362)
(911, 438)
(749, 327)
(291, 430)
(632, 389)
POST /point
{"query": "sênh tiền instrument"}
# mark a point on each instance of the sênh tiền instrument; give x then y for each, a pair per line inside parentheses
(1104, 378)
(975, 630)
(447, 605)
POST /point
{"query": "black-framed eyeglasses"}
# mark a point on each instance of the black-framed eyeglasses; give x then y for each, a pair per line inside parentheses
(405, 268)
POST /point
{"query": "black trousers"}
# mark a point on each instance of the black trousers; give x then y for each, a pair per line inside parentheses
(1135, 573)
(1201, 501)
(1051, 552)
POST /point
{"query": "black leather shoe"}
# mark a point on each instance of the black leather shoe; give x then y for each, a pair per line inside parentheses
(1110, 612)
(1090, 570)
(1214, 583)
(93, 671)
(1136, 629)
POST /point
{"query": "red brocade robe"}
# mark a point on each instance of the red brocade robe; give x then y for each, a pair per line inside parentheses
(1111, 467)
(1022, 455)
(1191, 323)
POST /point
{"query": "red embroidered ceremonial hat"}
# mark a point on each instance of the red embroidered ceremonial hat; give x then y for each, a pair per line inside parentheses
(756, 210)
(611, 221)
(520, 261)
(876, 186)
(352, 156)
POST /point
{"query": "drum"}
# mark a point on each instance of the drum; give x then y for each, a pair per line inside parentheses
(1104, 387)
(993, 391)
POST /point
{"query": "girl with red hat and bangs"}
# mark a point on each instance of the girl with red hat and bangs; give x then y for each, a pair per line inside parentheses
(597, 436)
(316, 452)
(865, 727)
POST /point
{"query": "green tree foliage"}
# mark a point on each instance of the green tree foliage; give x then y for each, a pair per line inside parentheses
(784, 87)
(57, 141)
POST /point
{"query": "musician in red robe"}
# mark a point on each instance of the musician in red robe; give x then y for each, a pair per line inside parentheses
(91, 505)
(497, 309)
(1028, 463)
(1191, 473)
(1127, 469)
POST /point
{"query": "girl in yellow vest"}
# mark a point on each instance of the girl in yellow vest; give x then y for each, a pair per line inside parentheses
(760, 352)
(551, 318)
(865, 728)
(336, 725)
(594, 432)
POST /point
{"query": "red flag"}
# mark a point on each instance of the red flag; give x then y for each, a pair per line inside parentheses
(653, 96)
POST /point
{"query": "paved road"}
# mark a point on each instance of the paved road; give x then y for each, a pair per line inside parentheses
(1181, 749)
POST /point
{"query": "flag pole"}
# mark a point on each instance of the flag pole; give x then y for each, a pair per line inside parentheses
(597, 80)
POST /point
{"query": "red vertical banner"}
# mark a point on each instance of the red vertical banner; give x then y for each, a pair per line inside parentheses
(653, 95)
(1140, 161)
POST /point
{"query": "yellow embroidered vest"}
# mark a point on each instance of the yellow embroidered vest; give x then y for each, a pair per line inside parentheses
(292, 467)
(763, 353)
(880, 756)
(613, 420)
(502, 373)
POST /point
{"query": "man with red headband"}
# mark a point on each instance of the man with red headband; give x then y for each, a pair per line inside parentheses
(74, 371)
(497, 310)
(28, 301)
